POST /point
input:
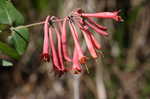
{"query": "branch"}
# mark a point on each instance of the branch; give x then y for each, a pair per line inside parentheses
(30, 25)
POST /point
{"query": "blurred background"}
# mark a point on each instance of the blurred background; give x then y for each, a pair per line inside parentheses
(123, 72)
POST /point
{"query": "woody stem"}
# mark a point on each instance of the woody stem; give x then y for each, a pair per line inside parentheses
(30, 25)
(34, 24)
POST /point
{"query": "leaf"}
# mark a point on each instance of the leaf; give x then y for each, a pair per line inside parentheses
(6, 63)
(20, 38)
(9, 14)
(6, 49)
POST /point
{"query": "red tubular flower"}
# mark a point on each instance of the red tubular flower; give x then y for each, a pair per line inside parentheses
(85, 27)
(85, 22)
(76, 68)
(82, 58)
(88, 42)
(109, 15)
(45, 54)
(64, 41)
(55, 59)
(97, 25)
(101, 32)
(93, 39)
(59, 49)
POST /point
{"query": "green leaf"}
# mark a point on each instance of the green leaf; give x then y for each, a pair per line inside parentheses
(6, 63)
(6, 49)
(9, 14)
(20, 38)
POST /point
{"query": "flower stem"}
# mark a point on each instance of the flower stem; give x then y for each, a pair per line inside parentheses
(35, 24)
(30, 25)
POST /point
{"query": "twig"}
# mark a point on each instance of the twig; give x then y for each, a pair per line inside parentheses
(30, 25)
(39, 23)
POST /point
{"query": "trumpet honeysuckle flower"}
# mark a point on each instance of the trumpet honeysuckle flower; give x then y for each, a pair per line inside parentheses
(89, 44)
(101, 32)
(60, 57)
(96, 25)
(85, 28)
(107, 15)
(82, 58)
(77, 20)
(76, 67)
(45, 54)
(88, 40)
(55, 59)
(93, 39)
(64, 41)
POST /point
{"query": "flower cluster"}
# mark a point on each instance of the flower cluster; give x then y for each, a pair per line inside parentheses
(58, 53)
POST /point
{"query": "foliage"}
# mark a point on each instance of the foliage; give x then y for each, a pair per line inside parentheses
(11, 17)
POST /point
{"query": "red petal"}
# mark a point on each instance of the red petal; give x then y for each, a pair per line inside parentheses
(64, 41)
(59, 49)
(82, 58)
(76, 65)
(54, 54)
(109, 15)
(94, 41)
(45, 54)
(97, 25)
(101, 32)
(88, 42)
